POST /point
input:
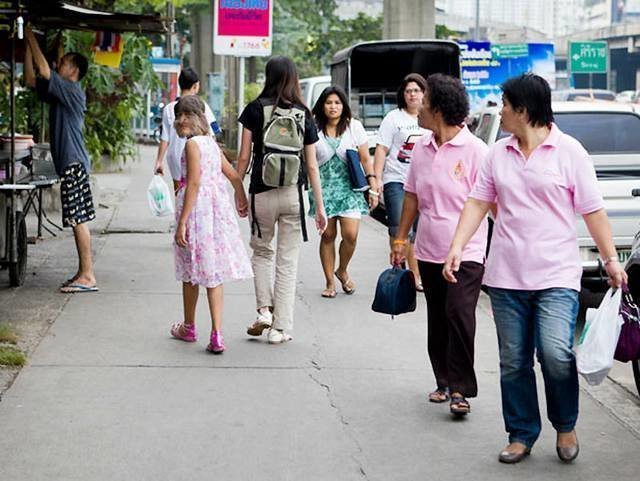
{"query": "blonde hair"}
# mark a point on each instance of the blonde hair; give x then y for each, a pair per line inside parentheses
(192, 106)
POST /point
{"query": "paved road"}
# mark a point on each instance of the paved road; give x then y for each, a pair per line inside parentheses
(107, 395)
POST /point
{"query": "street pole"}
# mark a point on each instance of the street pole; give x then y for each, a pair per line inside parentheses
(477, 30)
(240, 97)
(171, 17)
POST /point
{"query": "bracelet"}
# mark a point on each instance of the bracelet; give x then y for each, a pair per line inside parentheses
(368, 176)
(609, 260)
(374, 193)
(396, 242)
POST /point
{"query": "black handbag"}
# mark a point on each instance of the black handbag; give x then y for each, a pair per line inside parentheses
(395, 292)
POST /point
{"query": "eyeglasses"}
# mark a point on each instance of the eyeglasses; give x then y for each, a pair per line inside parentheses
(412, 91)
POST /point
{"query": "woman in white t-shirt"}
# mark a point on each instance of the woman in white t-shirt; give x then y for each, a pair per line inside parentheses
(338, 132)
(397, 134)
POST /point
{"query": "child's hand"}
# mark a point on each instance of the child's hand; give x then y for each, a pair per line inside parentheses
(181, 234)
(242, 205)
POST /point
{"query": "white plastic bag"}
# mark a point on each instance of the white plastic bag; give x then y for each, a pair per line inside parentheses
(594, 354)
(159, 196)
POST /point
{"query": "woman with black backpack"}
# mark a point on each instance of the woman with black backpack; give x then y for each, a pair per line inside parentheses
(279, 129)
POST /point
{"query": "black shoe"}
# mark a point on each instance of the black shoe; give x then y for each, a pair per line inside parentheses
(508, 457)
(568, 454)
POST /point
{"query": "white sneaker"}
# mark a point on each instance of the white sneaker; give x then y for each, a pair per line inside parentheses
(278, 337)
(263, 321)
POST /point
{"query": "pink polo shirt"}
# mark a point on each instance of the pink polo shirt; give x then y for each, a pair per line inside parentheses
(442, 177)
(534, 243)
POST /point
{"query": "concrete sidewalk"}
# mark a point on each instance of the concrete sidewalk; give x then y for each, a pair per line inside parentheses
(107, 395)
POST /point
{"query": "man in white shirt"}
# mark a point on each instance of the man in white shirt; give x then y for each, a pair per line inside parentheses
(170, 143)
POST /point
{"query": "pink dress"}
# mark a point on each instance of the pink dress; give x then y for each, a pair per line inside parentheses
(215, 252)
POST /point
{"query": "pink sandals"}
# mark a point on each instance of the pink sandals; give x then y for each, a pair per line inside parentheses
(184, 332)
(216, 343)
(187, 333)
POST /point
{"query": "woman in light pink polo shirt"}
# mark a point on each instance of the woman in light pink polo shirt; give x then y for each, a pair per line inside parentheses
(444, 167)
(540, 179)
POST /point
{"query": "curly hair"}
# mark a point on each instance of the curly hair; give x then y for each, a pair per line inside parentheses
(448, 96)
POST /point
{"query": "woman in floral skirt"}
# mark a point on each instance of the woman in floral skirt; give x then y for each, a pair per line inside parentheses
(338, 133)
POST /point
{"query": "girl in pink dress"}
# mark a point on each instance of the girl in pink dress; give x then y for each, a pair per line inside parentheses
(208, 248)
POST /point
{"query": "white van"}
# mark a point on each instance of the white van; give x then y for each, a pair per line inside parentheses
(312, 87)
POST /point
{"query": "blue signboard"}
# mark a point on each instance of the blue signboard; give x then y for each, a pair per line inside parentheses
(486, 66)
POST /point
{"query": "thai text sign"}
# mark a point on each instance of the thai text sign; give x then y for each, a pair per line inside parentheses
(242, 27)
(486, 66)
(588, 57)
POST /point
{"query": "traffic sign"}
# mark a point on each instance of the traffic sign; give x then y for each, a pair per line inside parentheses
(588, 57)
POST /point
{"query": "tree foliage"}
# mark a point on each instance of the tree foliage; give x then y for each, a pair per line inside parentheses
(442, 31)
(138, 5)
(311, 32)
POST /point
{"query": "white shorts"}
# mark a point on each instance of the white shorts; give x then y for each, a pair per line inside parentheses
(350, 214)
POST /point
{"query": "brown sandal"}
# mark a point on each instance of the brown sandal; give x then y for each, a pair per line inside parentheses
(459, 405)
(347, 285)
(439, 396)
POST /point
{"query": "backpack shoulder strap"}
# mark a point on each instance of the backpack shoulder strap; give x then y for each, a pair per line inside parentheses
(267, 112)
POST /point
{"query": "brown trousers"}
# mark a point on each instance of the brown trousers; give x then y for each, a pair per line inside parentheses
(451, 324)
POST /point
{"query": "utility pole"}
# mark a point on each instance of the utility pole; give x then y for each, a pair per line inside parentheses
(476, 35)
(171, 15)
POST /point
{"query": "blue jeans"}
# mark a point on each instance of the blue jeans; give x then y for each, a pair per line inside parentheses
(393, 198)
(542, 321)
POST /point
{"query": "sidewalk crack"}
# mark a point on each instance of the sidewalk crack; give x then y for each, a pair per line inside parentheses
(343, 421)
(314, 376)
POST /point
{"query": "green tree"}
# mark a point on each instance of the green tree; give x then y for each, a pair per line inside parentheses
(310, 32)
(442, 31)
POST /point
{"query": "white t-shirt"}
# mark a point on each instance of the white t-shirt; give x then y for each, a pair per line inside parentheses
(176, 144)
(398, 132)
(352, 138)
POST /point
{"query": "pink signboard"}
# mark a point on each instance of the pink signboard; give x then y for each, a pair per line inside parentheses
(242, 27)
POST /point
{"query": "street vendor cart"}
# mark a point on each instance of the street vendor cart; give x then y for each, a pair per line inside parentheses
(20, 189)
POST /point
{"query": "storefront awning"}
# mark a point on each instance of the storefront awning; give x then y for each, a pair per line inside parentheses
(57, 14)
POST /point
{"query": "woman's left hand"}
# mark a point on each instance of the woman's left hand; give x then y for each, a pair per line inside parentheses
(616, 273)
(181, 234)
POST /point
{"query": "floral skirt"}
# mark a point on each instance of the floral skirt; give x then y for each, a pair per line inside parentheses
(338, 198)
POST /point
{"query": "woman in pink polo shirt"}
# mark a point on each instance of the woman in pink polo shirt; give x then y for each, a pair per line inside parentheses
(540, 179)
(443, 170)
